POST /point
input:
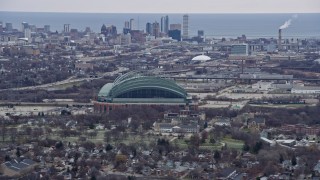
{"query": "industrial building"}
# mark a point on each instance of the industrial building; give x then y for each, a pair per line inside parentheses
(240, 49)
(305, 90)
(139, 89)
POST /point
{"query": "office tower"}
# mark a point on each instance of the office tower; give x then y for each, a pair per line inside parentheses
(156, 29)
(1, 26)
(24, 25)
(175, 27)
(175, 34)
(185, 27)
(126, 28)
(46, 28)
(104, 29)
(112, 30)
(9, 27)
(109, 31)
(165, 24)
(27, 34)
(200, 33)
(132, 25)
(127, 25)
(33, 28)
(66, 28)
(149, 29)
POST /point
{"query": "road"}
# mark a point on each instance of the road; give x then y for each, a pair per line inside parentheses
(67, 81)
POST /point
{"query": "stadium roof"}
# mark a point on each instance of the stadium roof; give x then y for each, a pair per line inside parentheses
(139, 87)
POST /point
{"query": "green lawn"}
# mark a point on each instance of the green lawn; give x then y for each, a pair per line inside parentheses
(231, 143)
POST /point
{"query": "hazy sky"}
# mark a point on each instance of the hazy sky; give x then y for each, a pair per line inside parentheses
(163, 6)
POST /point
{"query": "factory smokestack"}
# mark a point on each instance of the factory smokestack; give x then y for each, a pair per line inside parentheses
(279, 40)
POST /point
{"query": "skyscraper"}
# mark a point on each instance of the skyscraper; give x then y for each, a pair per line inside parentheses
(149, 29)
(127, 25)
(132, 25)
(66, 28)
(156, 29)
(200, 33)
(126, 28)
(175, 27)
(175, 34)
(27, 34)
(24, 25)
(165, 24)
(185, 27)
(9, 27)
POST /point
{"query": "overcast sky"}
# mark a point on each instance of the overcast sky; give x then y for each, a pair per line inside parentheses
(163, 6)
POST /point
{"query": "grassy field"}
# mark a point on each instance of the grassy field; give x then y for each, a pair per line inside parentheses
(229, 142)
(233, 143)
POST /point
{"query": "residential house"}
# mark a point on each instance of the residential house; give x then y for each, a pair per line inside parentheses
(256, 122)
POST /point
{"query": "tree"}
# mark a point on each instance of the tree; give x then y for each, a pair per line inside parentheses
(257, 147)
(205, 125)
(59, 145)
(246, 147)
(293, 161)
(109, 147)
(281, 159)
(204, 136)
(194, 140)
(3, 129)
(216, 155)
(18, 153)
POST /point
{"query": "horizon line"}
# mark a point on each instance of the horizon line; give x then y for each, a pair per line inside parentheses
(163, 13)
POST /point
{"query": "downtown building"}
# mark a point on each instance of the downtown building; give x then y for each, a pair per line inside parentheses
(165, 24)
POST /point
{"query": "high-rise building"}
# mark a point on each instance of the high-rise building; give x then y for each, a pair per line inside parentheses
(175, 27)
(46, 28)
(132, 25)
(200, 33)
(1, 26)
(126, 30)
(24, 25)
(27, 33)
(175, 34)
(149, 29)
(9, 27)
(165, 24)
(185, 27)
(127, 25)
(66, 28)
(109, 31)
(33, 27)
(156, 29)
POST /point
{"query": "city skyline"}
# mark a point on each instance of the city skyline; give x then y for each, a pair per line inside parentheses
(165, 6)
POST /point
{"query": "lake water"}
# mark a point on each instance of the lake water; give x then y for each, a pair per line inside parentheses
(214, 25)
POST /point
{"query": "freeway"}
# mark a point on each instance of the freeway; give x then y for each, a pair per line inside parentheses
(71, 79)
(238, 78)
